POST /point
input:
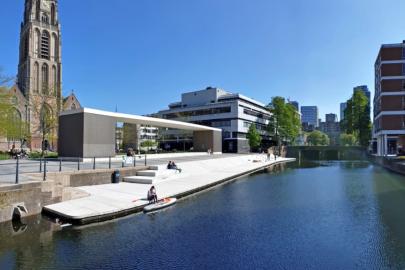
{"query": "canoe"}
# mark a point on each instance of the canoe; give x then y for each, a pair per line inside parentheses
(160, 205)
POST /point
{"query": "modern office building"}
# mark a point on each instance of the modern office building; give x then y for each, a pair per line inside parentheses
(343, 107)
(331, 127)
(134, 135)
(330, 118)
(214, 107)
(295, 104)
(309, 116)
(389, 100)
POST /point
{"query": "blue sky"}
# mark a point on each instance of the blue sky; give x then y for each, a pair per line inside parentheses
(142, 54)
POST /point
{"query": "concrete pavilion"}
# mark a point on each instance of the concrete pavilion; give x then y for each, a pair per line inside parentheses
(87, 133)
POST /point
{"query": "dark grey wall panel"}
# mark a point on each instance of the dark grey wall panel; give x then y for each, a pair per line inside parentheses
(99, 136)
(70, 141)
(204, 140)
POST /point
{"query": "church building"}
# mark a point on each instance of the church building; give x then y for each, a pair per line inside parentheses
(37, 96)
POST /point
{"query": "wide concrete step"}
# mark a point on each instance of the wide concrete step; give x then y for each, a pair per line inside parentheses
(140, 179)
(154, 168)
(147, 173)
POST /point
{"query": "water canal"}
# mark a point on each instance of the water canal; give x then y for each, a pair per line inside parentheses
(323, 215)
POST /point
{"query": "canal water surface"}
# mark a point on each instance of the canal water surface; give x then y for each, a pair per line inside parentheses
(324, 215)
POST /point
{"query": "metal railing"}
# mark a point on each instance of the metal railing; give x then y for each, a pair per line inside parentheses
(18, 166)
(14, 171)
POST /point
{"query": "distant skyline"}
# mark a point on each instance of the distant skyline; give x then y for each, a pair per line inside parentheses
(141, 55)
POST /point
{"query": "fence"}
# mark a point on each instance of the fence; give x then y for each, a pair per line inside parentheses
(15, 168)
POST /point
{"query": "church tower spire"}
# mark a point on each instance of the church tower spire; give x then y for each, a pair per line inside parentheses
(40, 67)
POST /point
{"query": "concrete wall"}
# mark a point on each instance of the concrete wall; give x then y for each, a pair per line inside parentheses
(58, 188)
(99, 136)
(86, 135)
(204, 140)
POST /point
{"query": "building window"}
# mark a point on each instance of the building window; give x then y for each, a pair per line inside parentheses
(38, 10)
(45, 19)
(46, 117)
(45, 45)
(53, 15)
(73, 107)
(221, 123)
(37, 44)
(226, 134)
(55, 47)
(55, 80)
(36, 77)
(45, 79)
(198, 112)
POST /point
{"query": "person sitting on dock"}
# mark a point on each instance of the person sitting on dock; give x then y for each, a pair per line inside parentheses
(173, 166)
(152, 197)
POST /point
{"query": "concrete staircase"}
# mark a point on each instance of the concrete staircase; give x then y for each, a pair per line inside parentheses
(153, 175)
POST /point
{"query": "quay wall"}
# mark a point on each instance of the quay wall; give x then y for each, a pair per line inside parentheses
(392, 164)
(57, 188)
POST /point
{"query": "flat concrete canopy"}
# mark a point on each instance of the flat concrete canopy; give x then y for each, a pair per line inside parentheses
(89, 132)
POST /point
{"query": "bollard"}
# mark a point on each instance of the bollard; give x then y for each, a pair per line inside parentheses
(60, 164)
(134, 161)
(78, 164)
(145, 159)
(94, 163)
(40, 164)
(45, 170)
(109, 162)
(123, 163)
(17, 170)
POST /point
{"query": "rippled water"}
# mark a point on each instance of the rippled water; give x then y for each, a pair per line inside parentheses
(328, 215)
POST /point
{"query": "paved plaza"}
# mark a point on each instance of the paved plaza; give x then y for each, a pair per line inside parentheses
(8, 167)
(101, 200)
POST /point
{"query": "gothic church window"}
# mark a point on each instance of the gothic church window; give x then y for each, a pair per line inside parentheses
(55, 80)
(37, 43)
(45, 19)
(46, 118)
(36, 77)
(45, 79)
(45, 45)
(38, 10)
(53, 19)
(55, 47)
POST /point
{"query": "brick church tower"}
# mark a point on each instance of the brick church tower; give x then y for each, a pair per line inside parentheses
(40, 70)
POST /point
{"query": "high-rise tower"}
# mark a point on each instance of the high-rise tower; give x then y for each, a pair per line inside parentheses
(40, 66)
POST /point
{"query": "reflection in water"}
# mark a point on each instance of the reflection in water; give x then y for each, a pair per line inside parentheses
(313, 215)
(23, 242)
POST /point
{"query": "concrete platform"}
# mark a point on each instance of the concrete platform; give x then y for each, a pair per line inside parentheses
(113, 200)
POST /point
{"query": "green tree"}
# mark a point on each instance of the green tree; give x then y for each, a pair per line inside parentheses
(6, 106)
(348, 139)
(357, 118)
(285, 122)
(148, 144)
(318, 138)
(253, 137)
